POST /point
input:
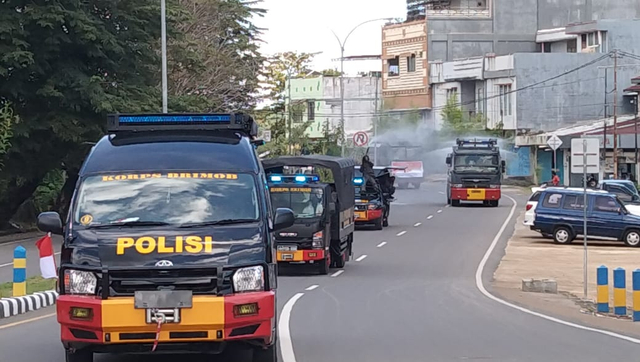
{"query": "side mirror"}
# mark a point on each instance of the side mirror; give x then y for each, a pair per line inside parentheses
(619, 211)
(332, 208)
(284, 219)
(50, 222)
(449, 160)
(635, 198)
(503, 164)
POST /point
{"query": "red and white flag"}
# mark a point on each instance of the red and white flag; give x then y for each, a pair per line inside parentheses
(47, 261)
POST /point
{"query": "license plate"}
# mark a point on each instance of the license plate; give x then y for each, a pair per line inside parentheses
(361, 215)
(285, 256)
(475, 194)
(163, 299)
(287, 248)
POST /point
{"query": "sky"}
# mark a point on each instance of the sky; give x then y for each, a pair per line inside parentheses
(307, 25)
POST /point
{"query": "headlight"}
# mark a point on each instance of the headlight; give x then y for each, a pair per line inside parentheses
(494, 186)
(248, 279)
(457, 185)
(317, 240)
(373, 206)
(80, 282)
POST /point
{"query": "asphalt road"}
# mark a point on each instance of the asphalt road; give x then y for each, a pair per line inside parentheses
(413, 297)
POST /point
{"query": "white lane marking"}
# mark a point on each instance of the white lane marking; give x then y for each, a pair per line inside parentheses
(401, 233)
(10, 264)
(337, 273)
(429, 217)
(382, 244)
(284, 334)
(361, 258)
(483, 290)
(312, 287)
(417, 224)
(447, 205)
(441, 192)
(439, 211)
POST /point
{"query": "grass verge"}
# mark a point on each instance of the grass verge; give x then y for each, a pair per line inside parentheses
(34, 284)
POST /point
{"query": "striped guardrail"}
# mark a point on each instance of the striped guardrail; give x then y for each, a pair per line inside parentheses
(619, 292)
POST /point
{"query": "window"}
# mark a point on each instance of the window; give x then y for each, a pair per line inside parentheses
(173, 198)
(297, 115)
(603, 45)
(452, 92)
(505, 99)
(305, 203)
(552, 200)
(572, 46)
(606, 204)
(411, 63)
(593, 39)
(546, 47)
(535, 197)
(394, 66)
(573, 202)
(480, 106)
(622, 192)
(311, 110)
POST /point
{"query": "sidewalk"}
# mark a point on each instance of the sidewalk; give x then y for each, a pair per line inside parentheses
(529, 255)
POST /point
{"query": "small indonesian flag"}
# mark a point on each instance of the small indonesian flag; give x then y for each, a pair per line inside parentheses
(47, 261)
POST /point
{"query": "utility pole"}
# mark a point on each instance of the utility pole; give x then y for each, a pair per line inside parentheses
(289, 119)
(163, 30)
(615, 114)
(342, 44)
(375, 126)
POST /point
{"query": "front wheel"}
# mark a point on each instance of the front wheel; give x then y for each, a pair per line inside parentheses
(269, 354)
(494, 203)
(632, 238)
(78, 356)
(455, 203)
(324, 266)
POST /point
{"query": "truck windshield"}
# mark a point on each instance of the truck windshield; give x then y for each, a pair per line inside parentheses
(167, 198)
(476, 163)
(305, 202)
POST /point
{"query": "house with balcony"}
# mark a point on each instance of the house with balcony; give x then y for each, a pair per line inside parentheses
(599, 36)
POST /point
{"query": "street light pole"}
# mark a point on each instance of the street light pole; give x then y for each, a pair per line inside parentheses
(163, 26)
(342, 44)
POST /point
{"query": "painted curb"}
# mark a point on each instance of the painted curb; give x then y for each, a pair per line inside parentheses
(13, 306)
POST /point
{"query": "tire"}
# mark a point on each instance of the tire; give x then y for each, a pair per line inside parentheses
(417, 186)
(632, 238)
(338, 259)
(494, 203)
(78, 356)
(385, 222)
(324, 266)
(455, 203)
(448, 201)
(269, 354)
(378, 224)
(562, 235)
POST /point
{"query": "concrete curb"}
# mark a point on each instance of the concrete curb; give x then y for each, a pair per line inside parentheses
(19, 237)
(13, 306)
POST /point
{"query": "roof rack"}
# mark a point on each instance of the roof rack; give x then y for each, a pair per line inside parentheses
(476, 143)
(119, 123)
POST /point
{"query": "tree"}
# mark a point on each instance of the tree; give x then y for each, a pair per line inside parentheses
(64, 66)
(331, 73)
(215, 59)
(457, 123)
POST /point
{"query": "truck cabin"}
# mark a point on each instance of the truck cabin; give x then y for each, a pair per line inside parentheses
(304, 194)
(476, 156)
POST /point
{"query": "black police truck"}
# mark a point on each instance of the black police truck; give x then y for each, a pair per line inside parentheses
(323, 204)
(168, 242)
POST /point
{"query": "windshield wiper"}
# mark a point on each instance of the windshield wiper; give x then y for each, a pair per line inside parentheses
(217, 222)
(129, 223)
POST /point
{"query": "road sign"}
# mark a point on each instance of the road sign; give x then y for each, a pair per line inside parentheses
(360, 139)
(554, 142)
(585, 152)
(266, 135)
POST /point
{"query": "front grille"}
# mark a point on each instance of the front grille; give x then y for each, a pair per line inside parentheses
(471, 183)
(126, 283)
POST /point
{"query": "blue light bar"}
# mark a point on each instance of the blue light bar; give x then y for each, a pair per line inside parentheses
(187, 122)
(301, 178)
(275, 178)
(358, 180)
(177, 119)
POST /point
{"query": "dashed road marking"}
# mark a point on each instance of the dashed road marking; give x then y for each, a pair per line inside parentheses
(312, 287)
(439, 211)
(429, 217)
(441, 192)
(337, 273)
(447, 205)
(361, 258)
(382, 244)
(417, 224)
(401, 233)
